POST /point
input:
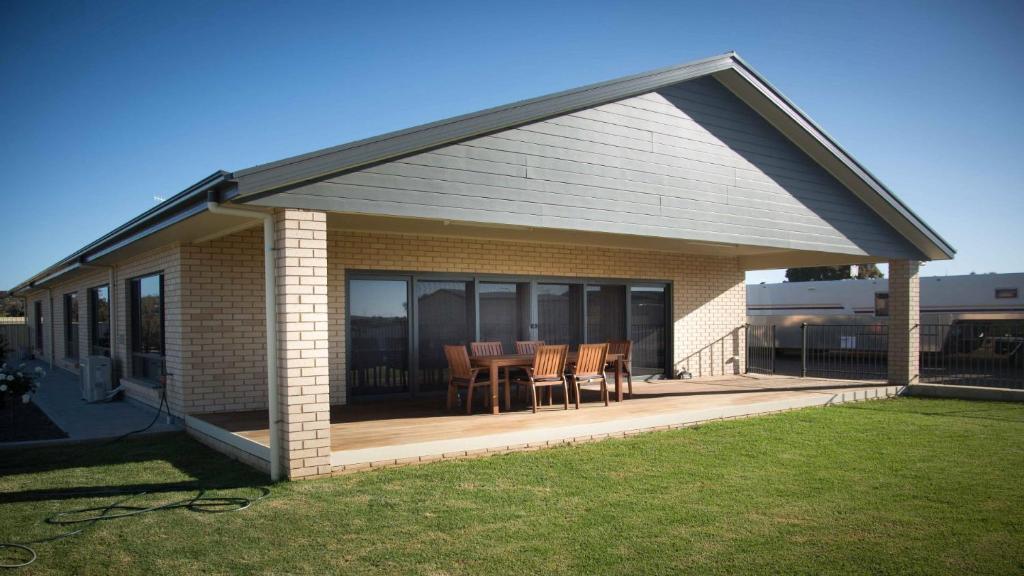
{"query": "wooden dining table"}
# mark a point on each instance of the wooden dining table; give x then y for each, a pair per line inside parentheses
(494, 364)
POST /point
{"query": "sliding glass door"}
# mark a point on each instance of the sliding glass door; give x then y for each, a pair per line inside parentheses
(399, 324)
(648, 328)
(379, 332)
(560, 313)
(606, 312)
(505, 313)
(444, 312)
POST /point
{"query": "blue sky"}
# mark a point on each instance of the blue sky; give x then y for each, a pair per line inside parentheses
(104, 105)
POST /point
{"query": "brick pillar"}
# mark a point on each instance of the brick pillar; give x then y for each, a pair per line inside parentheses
(304, 390)
(904, 321)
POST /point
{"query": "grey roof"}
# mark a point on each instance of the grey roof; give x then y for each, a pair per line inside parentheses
(275, 177)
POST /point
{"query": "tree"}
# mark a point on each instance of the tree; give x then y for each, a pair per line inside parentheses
(868, 271)
(816, 273)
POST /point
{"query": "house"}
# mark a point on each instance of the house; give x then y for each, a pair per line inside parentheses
(629, 208)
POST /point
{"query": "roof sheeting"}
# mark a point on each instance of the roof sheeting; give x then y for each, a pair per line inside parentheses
(730, 69)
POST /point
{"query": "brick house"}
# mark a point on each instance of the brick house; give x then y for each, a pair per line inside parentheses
(626, 209)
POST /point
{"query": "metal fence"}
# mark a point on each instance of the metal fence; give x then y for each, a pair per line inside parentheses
(14, 333)
(973, 354)
(760, 348)
(855, 351)
(963, 353)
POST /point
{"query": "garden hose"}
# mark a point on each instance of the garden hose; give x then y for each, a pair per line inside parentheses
(84, 518)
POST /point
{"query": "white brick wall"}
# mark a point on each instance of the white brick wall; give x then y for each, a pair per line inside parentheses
(166, 260)
(904, 316)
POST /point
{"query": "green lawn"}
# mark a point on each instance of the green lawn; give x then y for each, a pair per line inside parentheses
(895, 486)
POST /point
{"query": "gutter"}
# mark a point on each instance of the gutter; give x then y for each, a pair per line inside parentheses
(270, 304)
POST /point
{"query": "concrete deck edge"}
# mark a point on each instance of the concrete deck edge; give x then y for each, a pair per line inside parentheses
(230, 438)
(525, 438)
(965, 392)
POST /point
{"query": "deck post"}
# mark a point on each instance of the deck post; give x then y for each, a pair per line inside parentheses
(304, 393)
(904, 322)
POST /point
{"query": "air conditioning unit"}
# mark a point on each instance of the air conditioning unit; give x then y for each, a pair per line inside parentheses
(95, 378)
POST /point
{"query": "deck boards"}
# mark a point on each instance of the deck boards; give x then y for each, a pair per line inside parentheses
(394, 423)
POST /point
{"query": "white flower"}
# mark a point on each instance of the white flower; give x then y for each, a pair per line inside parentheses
(3, 387)
(19, 375)
(22, 365)
(25, 398)
(10, 377)
(39, 369)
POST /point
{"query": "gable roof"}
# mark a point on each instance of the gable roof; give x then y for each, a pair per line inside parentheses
(729, 69)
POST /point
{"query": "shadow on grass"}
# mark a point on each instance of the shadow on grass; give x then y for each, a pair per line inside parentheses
(995, 411)
(205, 468)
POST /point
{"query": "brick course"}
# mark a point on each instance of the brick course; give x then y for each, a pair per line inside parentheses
(904, 316)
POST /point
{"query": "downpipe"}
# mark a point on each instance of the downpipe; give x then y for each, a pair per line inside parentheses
(270, 297)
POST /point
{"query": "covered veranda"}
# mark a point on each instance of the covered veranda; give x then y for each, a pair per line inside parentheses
(395, 432)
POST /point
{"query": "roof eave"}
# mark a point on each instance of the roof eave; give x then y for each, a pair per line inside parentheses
(149, 221)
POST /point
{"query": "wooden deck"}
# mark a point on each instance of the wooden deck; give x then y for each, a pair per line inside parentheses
(399, 431)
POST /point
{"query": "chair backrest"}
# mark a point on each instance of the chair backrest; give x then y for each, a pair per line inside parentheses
(624, 347)
(525, 347)
(549, 361)
(591, 359)
(458, 361)
(486, 348)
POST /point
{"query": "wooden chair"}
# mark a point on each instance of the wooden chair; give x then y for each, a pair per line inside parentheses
(491, 349)
(624, 347)
(525, 347)
(486, 349)
(461, 375)
(548, 371)
(589, 368)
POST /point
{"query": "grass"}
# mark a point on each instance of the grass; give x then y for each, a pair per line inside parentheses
(902, 486)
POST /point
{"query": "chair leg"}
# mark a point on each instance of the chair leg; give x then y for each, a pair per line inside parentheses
(469, 399)
(577, 389)
(629, 379)
(565, 393)
(604, 390)
(533, 394)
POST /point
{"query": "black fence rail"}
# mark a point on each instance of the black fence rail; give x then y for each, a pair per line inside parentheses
(979, 353)
(854, 351)
(760, 348)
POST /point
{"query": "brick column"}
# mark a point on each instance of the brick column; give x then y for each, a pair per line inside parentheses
(304, 390)
(904, 321)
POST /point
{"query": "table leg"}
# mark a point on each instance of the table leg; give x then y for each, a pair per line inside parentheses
(493, 371)
(508, 392)
(618, 380)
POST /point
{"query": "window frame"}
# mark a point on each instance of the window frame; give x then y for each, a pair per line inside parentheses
(72, 327)
(881, 296)
(135, 332)
(94, 348)
(1007, 293)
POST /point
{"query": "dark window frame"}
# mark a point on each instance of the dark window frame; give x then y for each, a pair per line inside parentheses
(38, 311)
(141, 363)
(532, 280)
(1006, 294)
(96, 349)
(71, 326)
(883, 311)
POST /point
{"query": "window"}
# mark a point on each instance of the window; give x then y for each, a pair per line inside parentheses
(99, 320)
(1006, 293)
(147, 327)
(881, 303)
(39, 324)
(379, 326)
(71, 326)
